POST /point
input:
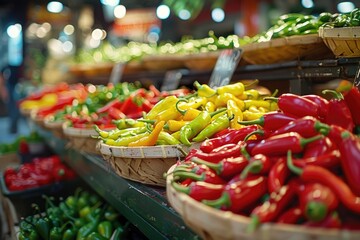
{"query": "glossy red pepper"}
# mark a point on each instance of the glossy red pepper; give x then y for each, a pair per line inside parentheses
(239, 195)
(316, 201)
(278, 175)
(306, 126)
(295, 105)
(258, 164)
(129, 106)
(319, 147)
(200, 190)
(227, 167)
(223, 132)
(312, 173)
(226, 151)
(270, 121)
(115, 103)
(208, 176)
(352, 99)
(272, 208)
(61, 104)
(280, 144)
(230, 137)
(291, 216)
(321, 102)
(338, 112)
(327, 160)
(331, 221)
(115, 113)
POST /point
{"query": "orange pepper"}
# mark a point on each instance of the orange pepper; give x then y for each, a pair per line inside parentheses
(151, 139)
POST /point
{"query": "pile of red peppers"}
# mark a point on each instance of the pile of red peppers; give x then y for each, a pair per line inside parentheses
(298, 165)
(39, 172)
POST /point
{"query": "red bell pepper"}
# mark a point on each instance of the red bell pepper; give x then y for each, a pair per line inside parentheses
(312, 173)
(316, 201)
(295, 105)
(239, 195)
(338, 112)
(227, 167)
(270, 121)
(272, 208)
(291, 216)
(306, 126)
(231, 137)
(280, 144)
(321, 102)
(200, 190)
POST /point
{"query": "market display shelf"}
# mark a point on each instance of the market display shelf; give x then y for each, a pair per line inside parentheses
(144, 206)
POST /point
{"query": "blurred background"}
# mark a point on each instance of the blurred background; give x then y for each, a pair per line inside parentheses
(40, 40)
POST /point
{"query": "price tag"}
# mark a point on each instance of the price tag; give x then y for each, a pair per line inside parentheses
(172, 80)
(357, 78)
(116, 73)
(225, 67)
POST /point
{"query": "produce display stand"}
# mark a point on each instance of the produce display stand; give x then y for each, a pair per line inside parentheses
(144, 206)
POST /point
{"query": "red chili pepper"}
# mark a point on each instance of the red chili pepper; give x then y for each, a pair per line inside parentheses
(239, 195)
(306, 126)
(280, 144)
(291, 216)
(321, 102)
(270, 121)
(316, 201)
(327, 160)
(312, 173)
(352, 99)
(116, 103)
(227, 167)
(129, 106)
(61, 104)
(200, 190)
(295, 105)
(153, 89)
(146, 105)
(208, 176)
(231, 137)
(319, 147)
(272, 208)
(338, 112)
(223, 132)
(42, 179)
(115, 113)
(226, 151)
(331, 221)
(258, 164)
(278, 175)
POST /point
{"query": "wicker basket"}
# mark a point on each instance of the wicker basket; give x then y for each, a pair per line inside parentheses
(164, 62)
(81, 139)
(213, 224)
(143, 164)
(202, 61)
(37, 120)
(56, 127)
(286, 49)
(343, 42)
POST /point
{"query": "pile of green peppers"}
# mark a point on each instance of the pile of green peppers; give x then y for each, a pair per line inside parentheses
(351, 19)
(82, 216)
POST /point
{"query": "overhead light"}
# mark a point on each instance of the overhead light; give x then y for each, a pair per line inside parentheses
(345, 7)
(55, 7)
(120, 11)
(163, 12)
(218, 14)
(184, 14)
(307, 3)
(14, 30)
(69, 29)
(97, 34)
(112, 3)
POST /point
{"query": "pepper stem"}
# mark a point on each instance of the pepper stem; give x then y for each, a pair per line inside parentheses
(180, 188)
(252, 167)
(305, 141)
(254, 223)
(147, 121)
(259, 121)
(224, 200)
(191, 175)
(259, 132)
(291, 165)
(336, 94)
(214, 166)
(177, 106)
(217, 112)
(315, 211)
(244, 152)
(271, 98)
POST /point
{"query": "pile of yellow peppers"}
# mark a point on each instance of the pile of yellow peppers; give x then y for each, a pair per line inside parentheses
(192, 118)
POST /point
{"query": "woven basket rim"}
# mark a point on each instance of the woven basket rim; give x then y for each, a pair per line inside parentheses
(351, 33)
(181, 201)
(53, 124)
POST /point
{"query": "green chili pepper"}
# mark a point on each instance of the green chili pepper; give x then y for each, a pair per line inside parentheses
(305, 26)
(290, 17)
(55, 233)
(66, 211)
(341, 20)
(42, 226)
(29, 235)
(105, 228)
(121, 231)
(96, 236)
(88, 228)
(325, 17)
(168, 138)
(110, 214)
(191, 129)
(217, 125)
(69, 234)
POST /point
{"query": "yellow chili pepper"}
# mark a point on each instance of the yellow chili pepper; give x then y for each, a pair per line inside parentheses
(252, 94)
(235, 114)
(192, 103)
(257, 103)
(204, 90)
(176, 135)
(191, 114)
(124, 141)
(151, 139)
(248, 115)
(174, 125)
(222, 99)
(210, 106)
(161, 106)
(170, 113)
(235, 89)
(254, 109)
